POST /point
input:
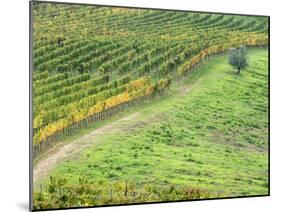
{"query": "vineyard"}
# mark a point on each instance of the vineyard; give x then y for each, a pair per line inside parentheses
(206, 137)
(59, 194)
(89, 59)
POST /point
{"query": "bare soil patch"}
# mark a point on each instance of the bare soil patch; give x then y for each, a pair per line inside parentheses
(43, 166)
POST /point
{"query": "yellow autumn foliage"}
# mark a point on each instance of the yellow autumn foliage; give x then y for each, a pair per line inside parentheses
(252, 40)
(137, 84)
(137, 88)
(116, 100)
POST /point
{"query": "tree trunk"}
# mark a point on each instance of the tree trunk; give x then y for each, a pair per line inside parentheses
(238, 71)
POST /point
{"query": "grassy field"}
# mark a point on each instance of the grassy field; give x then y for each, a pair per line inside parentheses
(209, 131)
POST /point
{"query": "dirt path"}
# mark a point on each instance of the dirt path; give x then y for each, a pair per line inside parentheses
(56, 155)
(44, 165)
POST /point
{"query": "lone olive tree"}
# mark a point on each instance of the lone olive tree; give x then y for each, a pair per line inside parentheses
(238, 58)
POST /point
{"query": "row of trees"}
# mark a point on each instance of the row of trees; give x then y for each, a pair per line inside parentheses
(60, 103)
(235, 55)
(56, 114)
(76, 75)
(144, 25)
(68, 89)
(65, 82)
(97, 103)
(84, 53)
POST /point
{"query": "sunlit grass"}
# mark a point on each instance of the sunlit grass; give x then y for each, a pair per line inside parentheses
(215, 136)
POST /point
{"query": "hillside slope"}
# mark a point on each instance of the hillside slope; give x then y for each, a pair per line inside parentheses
(87, 59)
(210, 132)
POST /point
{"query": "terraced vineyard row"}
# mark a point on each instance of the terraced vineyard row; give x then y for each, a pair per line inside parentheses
(89, 59)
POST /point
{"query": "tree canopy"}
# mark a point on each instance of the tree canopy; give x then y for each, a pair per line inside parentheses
(238, 58)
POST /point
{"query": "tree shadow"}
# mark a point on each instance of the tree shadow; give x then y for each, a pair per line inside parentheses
(233, 72)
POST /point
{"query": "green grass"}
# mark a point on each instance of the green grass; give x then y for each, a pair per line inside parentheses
(210, 132)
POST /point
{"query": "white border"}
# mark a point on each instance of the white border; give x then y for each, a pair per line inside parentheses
(14, 86)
